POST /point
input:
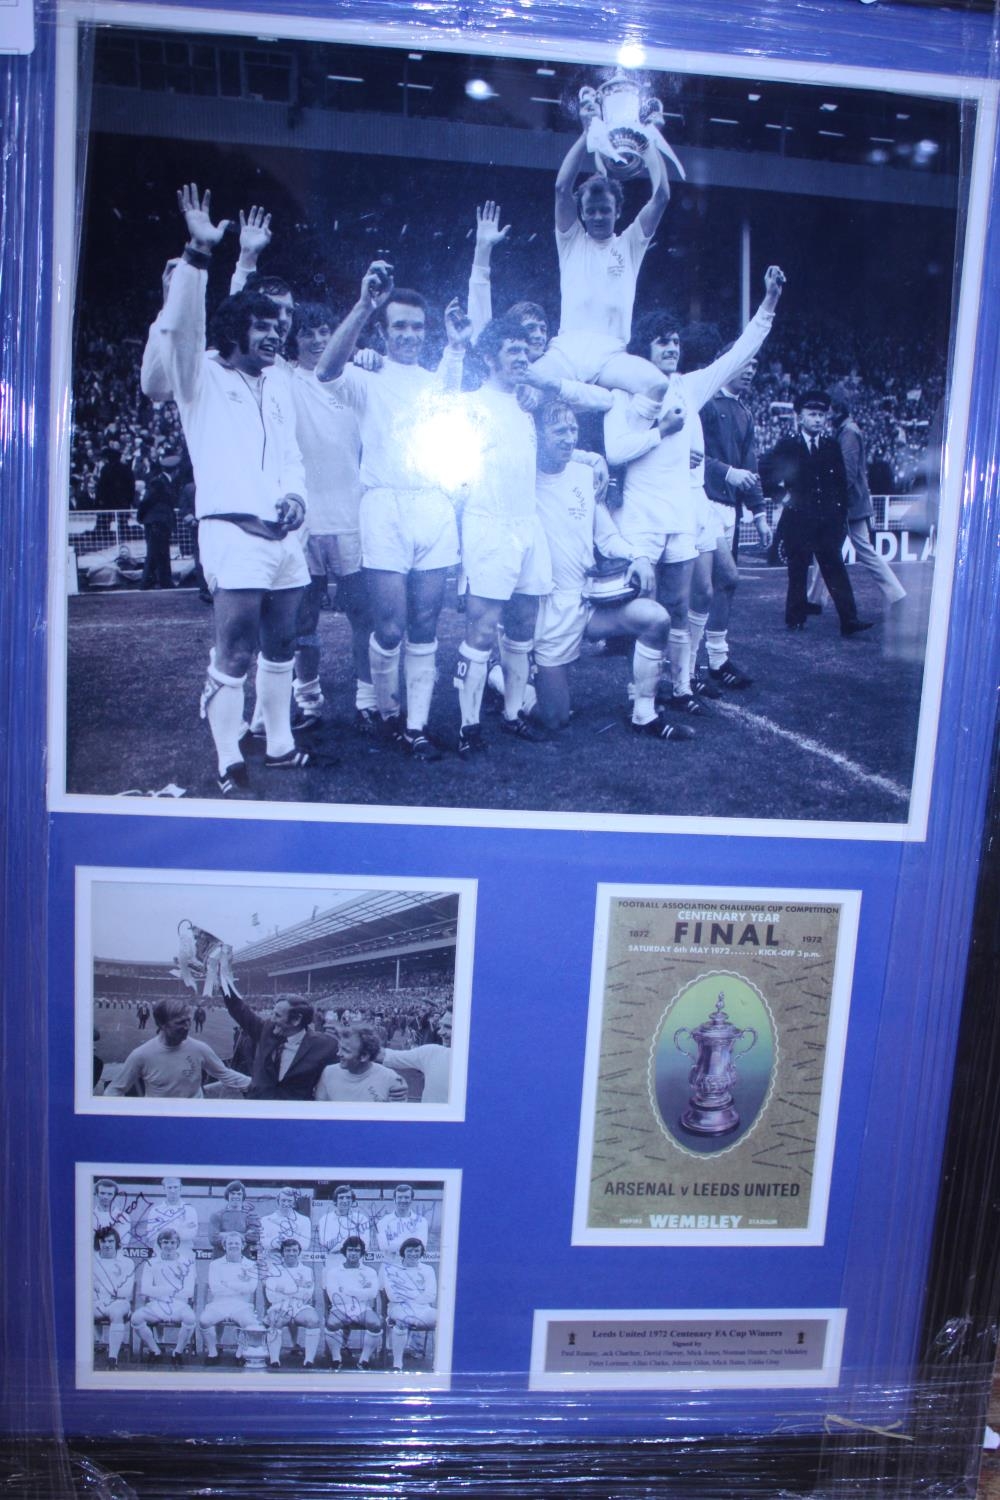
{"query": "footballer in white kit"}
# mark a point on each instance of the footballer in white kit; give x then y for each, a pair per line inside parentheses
(171, 1213)
(113, 1284)
(285, 1223)
(357, 1078)
(289, 1289)
(666, 515)
(351, 1288)
(329, 436)
(409, 535)
(505, 556)
(167, 1284)
(343, 1221)
(411, 1288)
(239, 425)
(404, 1222)
(431, 1059)
(576, 524)
(232, 1285)
(598, 270)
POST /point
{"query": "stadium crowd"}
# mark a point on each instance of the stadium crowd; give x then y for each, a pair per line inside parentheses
(895, 391)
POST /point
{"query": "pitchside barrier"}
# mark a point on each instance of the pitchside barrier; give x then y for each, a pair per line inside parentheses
(108, 547)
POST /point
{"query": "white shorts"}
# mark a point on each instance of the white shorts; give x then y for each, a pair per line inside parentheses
(659, 546)
(726, 517)
(408, 530)
(562, 621)
(348, 1309)
(232, 559)
(710, 526)
(103, 1309)
(334, 554)
(420, 1314)
(166, 1310)
(582, 356)
(501, 557)
(280, 1314)
(236, 1309)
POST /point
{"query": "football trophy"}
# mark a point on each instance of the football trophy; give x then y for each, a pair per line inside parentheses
(624, 126)
(611, 581)
(710, 1109)
(205, 960)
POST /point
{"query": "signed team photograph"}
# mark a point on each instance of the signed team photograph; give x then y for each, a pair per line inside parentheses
(232, 995)
(460, 436)
(188, 1278)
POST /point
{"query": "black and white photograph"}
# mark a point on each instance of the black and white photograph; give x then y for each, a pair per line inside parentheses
(264, 1279)
(588, 413)
(222, 994)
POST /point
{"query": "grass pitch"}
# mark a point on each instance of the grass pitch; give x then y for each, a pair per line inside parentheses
(826, 732)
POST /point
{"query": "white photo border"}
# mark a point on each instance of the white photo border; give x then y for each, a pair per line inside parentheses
(371, 1382)
(697, 1378)
(814, 1233)
(319, 1112)
(985, 93)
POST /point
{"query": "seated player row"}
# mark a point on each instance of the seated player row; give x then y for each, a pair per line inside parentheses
(263, 1298)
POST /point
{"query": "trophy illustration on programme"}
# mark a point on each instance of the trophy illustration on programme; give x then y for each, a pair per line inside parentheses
(710, 1109)
(624, 126)
(204, 960)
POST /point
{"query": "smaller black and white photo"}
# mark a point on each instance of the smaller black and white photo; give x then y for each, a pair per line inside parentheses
(223, 994)
(264, 1278)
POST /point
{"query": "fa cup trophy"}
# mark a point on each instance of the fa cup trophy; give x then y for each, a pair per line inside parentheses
(624, 126)
(710, 1109)
(203, 959)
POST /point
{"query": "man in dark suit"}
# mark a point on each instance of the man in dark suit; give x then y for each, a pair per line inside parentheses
(809, 468)
(288, 1057)
(731, 481)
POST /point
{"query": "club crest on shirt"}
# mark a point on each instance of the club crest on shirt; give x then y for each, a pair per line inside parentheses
(616, 262)
(579, 510)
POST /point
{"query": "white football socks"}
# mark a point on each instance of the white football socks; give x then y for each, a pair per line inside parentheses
(515, 659)
(385, 678)
(222, 706)
(420, 671)
(274, 695)
(680, 662)
(646, 664)
(717, 646)
(470, 680)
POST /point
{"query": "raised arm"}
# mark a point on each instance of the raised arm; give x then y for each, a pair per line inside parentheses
(651, 213)
(572, 166)
(702, 385)
(488, 236)
(243, 1015)
(376, 289)
(255, 236)
(183, 317)
(154, 380)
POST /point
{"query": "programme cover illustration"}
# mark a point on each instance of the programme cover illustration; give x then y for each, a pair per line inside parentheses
(716, 1036)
